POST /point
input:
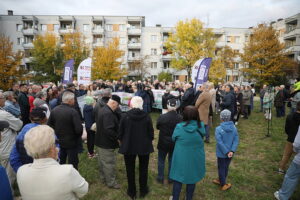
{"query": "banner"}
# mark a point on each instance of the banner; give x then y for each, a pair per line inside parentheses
(195, 70)
(158, 97)
(202, 74)
(68, 72)
(84, 72)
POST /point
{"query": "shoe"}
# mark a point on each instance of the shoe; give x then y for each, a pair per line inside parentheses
(226, 187)
(171, 198)
(236, 123)
(216, 181)
(115, 186)
(144, 193)
(281, 171)
(276, 195)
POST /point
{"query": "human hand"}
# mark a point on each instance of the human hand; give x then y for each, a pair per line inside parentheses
(230, 154)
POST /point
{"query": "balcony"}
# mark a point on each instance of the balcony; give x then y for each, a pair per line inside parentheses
(28, 45)
(134, 31)
(293, 49)
(64, 31)
(292, 34)
(132, 59)
(136, 45)
(29, 31)
(98, 31)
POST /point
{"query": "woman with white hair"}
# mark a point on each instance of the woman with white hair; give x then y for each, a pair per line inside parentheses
(45, 178)
(135, 135)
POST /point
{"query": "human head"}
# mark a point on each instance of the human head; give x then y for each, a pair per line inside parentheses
(38, 115)
(171, 104)
(39, 142)
(71, 86)
(236, 89)
(2, 100)
(9, 95)
(264, 86)
(191, 113)
(41, 95)
(68, 98)
(81, 87)
(205, 87)
(23, 87)
(114, 102)
(106, 92)
(225, 115)
(136, 102)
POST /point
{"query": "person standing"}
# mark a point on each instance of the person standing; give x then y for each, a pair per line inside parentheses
(246, 101)
(11, 104)
(228, 101)
(261, 95)
(164, 100)
(166, 124)
(89, 119)
(188, 162)
(106, 139)
(279, 102)
(188, 96)
(24, 104)
(66, 122)
(136, 134)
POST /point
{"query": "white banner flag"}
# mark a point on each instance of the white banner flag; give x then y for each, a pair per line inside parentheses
(84, 72)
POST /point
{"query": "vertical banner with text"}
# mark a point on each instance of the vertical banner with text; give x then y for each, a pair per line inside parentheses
(68, 72)
(202, 74)
(84, 72)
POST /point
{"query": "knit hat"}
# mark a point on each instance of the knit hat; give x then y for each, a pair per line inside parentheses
(225, 115)
(89, 100)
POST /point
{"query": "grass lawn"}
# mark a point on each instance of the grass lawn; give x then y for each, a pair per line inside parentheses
(252, 171)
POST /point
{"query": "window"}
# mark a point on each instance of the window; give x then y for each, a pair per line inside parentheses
(56, 27)
(153, 65)
(109, 27)
(153, 51)
(153, 38)
(20, 41)
(166, 64)
(28, 39)
(165, 38)
(235, 78)
(236, 65)
(132, 54)
(28, 25)
(86, 27)
(19, 27)
(97, 26)
(43, 27)
(237, 39)
(122, 27)
(66, 25)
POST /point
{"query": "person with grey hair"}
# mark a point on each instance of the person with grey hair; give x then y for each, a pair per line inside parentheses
(166, 124)
(103, 98)
(66, 122)
(40, 101)
(135, 135)
(227, 142)
(65, 181)
(11, 104)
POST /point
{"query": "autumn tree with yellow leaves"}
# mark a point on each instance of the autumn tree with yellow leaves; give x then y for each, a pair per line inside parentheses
(107, 60)
(265, 56)
(10, 70)
(190, 42)
(47, 61)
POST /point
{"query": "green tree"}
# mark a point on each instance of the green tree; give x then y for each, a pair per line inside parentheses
(164, 76)
(190, 42)
(47, 61)
(265, 56)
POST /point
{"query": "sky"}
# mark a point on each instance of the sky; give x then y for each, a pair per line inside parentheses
(215, 13)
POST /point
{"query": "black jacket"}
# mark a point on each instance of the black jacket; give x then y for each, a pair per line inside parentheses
(166, 124)
(66, 122)
(229, 102)
(136, 133)
(107, 123)
(88, 116)
(76, 105)
(165, 98)
(187, 98)
(24, 107)
(291, 126)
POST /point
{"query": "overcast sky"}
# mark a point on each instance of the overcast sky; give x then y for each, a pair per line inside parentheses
(218, 13)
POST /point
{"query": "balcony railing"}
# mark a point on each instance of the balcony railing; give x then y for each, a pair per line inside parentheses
(65, 30)
(136, 45)
(136, 58)
(29, 31)
(28, 45)
(98, 31)
(134, 31)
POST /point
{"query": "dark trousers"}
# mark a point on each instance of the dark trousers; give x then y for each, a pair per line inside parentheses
(261, 104)
(190, 188)
(161, 164)
(223, 165)
(280, 111)
(143, 174)
(72, 155)
(246, 111)
(90, 141)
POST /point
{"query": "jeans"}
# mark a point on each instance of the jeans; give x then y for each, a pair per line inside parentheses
(290, 182)
(190, 188)
(161, 164)
(207, 132)
(71, 154)
(143, 174)
(223, 165)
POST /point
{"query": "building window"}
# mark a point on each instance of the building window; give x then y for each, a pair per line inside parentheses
(235, 78)
(43, 27)
(28, 39)
(19, 27)
(28, 25)
(56, 27)
(236, 65)
(20, 41)
(66, 25)
(153, 52)
(109, 27)
(97, 26)
(122, 27)
(153, 38)
(86, 27)
(166, 64)
(153, 65)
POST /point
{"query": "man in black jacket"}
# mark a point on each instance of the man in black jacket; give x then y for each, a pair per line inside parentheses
(66, 122)
(291, 128)
(166, 123)
(24, 104)
(229, 101)
(106, 140)
(188, 96)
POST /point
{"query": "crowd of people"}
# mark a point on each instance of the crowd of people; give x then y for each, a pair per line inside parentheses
(46, 126)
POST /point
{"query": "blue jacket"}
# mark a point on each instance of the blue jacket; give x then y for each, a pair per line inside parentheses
(12, 108)
(89, 119)
(5, 191)
(227, 139)
(188, 161)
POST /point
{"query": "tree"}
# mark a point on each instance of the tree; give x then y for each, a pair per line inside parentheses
(190, 42)
(265, 56)
(140, 67)
(106, 62)
(10, 64)
(217, 71)
(165, 76)
(47, 62)
(75, 48)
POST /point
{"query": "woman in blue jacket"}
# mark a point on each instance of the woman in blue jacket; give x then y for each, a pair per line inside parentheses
(188, 161)
(227, 142)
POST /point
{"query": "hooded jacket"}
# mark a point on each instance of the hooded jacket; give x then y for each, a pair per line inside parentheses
(292, 123)
(227, 139)
(136, 133)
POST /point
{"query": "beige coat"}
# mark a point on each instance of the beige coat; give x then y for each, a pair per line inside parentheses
(202, 104)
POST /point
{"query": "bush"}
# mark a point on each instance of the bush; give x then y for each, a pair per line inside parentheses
(164, 75)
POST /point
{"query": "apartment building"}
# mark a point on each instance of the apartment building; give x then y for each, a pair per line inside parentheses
(292, 36)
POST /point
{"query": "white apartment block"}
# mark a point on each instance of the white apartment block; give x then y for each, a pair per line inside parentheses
(136, 40)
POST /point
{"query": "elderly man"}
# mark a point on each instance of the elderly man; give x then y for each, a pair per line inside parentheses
(24, 104)
(107, 122)
(8, 138)
(66, 122)
(202, 104)
(103, 98)
(188, 97)
(11, 104)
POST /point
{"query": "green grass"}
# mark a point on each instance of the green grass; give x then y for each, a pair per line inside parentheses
(252, 171)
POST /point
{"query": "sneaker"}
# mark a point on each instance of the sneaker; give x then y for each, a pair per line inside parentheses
(281, 171)
(171, 198)
(226, 187)
(236, 123)
(276, 195)
(216, 181)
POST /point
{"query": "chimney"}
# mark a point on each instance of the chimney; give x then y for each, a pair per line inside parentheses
(10, 12)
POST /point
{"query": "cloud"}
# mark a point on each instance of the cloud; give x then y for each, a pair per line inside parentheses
(219, 13)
